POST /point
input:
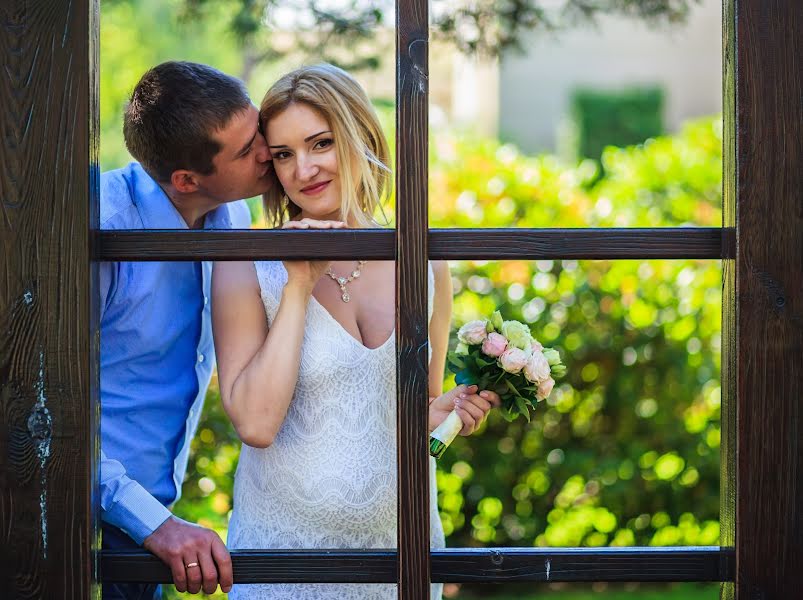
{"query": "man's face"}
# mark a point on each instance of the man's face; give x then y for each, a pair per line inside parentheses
(242, 166)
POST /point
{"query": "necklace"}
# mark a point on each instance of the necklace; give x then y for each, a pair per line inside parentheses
(343, 281)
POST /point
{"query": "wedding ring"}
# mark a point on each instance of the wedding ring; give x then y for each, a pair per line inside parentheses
(191, 565)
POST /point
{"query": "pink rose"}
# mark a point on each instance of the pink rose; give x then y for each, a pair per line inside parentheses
(545, 388)
(537, 368)
(536, 346)
(494, 345)
(472, 332)
(513, 360)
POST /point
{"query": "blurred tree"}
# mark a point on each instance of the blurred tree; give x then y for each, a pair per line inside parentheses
(486, 27)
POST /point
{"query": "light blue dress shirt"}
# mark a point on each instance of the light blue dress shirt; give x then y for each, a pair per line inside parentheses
(156, 356)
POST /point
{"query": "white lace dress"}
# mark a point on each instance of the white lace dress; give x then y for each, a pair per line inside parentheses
(329, 478)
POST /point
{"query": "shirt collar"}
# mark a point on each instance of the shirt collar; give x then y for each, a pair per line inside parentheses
(158, 212)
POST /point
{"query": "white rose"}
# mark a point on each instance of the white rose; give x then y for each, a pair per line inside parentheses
(472, 333)
(517, 333)
(537, 368)
(513, 360)
(545, 388)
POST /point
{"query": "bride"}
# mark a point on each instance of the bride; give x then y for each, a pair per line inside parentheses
(306, 349)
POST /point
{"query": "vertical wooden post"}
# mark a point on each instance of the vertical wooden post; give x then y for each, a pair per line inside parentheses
(730, 357)
(769, 285)
(411, 297)
(48, 184)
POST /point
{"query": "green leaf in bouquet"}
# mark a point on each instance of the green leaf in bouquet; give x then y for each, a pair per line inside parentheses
(509, 415)
(521, 404)
(466, 377)
(481, 362)
(513, 388)
(484, 381)
(456, 361)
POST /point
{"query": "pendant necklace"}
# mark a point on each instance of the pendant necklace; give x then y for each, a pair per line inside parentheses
(343, 281)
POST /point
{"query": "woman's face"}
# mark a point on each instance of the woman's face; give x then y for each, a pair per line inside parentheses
(304, 158)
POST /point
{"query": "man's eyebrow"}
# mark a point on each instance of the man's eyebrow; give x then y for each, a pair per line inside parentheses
(306, 139)
(245, 148)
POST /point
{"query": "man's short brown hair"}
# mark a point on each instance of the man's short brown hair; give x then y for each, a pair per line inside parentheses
(173, 112)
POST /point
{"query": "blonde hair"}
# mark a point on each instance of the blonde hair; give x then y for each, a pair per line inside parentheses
(360, 144)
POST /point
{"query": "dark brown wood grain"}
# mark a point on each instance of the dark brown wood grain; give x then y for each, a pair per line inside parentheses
(412, 102)
(47, 429)
(455, 565)
(769, 291)
(730, 357)
(444, 244)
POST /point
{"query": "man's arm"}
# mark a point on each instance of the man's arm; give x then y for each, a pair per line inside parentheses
(126, 504)
(129, 507)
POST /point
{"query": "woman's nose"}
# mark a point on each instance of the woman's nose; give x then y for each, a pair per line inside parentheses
(306, 168)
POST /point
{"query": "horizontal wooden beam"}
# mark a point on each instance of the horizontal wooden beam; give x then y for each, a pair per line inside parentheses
(444, 244)
(486, 565)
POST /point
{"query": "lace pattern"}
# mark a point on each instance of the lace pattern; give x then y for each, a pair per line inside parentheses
(329, 478)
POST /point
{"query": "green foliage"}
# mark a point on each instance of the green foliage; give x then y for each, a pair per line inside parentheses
(625, 450)
(621, 118)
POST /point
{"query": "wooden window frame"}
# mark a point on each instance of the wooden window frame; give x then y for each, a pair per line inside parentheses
(49, 317)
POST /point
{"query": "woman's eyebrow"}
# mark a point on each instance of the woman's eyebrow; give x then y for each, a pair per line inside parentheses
(316, 135)
(306, 139)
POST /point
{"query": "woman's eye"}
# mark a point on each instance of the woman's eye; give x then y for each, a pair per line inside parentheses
(280, 155)
(324, 143)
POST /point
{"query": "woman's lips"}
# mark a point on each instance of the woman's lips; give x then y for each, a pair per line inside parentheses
(315, 189)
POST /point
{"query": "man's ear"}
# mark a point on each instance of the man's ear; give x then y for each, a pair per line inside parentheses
(184, 182)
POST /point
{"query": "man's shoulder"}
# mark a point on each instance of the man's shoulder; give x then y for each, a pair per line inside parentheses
(118, 207)
(239, 214)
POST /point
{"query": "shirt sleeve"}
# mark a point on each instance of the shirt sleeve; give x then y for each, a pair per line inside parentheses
(126, 504)
(107, 282)
(240, 215)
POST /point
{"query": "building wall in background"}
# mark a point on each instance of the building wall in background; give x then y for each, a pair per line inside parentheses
(534, 89)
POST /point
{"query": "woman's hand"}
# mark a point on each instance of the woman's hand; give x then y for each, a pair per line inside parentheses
(306, 273)
(472, 407)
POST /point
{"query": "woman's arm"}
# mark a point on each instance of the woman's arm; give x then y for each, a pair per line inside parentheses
(439, 326)
(257, 365)
(471, 407)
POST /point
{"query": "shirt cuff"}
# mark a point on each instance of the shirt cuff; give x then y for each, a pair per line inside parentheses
(136, 512)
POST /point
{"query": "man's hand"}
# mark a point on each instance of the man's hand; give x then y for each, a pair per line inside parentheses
(471, 407)
(196, 556)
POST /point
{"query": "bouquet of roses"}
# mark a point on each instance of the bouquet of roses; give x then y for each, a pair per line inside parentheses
(502, 356)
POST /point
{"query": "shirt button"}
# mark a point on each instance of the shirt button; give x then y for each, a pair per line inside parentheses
(200, 358)
(206, 300)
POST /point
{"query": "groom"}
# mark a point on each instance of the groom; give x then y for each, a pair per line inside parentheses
(196, 137)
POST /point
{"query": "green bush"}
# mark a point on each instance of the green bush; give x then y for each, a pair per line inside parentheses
(626, 451)
(614, 118)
